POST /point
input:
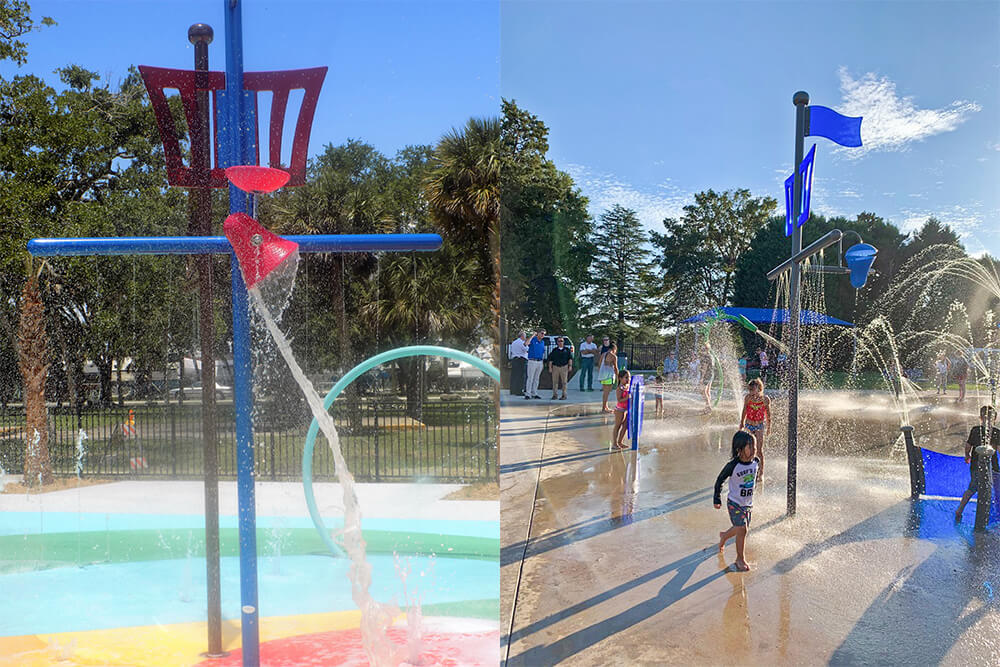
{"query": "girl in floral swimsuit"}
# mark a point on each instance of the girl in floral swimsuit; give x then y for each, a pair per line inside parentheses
(757, 413)
(621, 409)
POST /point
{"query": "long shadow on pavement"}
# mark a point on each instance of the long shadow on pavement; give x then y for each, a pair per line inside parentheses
(920, 616)
(677, 588)
(595, 526)
(552, 460)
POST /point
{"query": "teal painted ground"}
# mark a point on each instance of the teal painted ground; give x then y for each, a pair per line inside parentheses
(64, 572)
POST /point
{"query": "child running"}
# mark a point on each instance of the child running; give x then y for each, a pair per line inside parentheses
(658, 388)
(756, 411)
(977, 437)
(621, 408)
(742, 474)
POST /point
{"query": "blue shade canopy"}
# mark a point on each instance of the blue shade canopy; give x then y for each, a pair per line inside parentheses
(769, 315)
(825, 122)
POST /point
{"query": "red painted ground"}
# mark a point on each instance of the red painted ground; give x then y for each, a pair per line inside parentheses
(343, 647)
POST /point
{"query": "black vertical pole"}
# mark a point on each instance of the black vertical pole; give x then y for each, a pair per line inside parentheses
(801, 102)
(200, 200)
(915, 460)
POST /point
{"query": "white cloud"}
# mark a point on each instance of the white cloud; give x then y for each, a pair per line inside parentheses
(966, 222)
(892, 122)
(652, 205)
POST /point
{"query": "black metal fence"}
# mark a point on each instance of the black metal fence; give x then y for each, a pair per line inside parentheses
(381, 441)
(645, 356)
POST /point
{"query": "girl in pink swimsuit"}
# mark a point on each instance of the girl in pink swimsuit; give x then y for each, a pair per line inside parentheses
(756, 415)
(621, 409)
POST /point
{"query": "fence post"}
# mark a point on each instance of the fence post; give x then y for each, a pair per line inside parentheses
(274, 471)
(375, 421)
(491, 448)
(172, 415)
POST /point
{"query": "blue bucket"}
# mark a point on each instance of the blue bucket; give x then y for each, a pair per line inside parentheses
(859, 260)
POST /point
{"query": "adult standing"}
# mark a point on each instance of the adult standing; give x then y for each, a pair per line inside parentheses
(941, 366)
(536, 352)
(607, 373)
(588, 350)
(605, 345)
(670, 367)
(560, 367)
(961, 370)
(518, 354)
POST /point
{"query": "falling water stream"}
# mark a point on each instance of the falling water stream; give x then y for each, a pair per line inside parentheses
(376, 617)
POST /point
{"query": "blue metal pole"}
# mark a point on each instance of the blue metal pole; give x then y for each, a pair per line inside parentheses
(243, 402)
(195, 245)
(236, 150)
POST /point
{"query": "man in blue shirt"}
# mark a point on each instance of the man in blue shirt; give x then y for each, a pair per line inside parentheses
(670, 367)
(536, 352)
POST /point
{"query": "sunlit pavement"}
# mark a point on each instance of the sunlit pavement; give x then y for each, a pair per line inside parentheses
(611, 559)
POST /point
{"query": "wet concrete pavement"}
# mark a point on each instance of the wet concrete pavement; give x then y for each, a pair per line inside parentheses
(610, 558)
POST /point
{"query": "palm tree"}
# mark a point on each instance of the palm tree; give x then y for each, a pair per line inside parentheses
(463, 192)
(424, 298)
(34, 366)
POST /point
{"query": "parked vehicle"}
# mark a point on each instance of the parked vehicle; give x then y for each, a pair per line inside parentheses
(194, 393)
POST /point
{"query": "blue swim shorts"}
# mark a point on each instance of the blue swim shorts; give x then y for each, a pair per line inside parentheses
(738, 514)
(753, 428)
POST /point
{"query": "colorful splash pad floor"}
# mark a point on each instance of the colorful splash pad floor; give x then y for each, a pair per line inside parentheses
(610, 558)
(115, 574)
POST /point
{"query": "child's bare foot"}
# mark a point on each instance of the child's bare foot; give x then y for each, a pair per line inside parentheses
(722, 541)
(741, 566)
(958, 516)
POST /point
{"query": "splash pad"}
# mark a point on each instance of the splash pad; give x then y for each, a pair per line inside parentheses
(261, 256)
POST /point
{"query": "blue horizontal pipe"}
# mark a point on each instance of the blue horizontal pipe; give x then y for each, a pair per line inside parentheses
(205, 245)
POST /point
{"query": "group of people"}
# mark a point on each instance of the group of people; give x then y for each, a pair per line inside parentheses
(946, 368)
(528, 356)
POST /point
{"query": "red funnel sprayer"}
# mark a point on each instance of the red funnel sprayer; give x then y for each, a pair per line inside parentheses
(259, 251)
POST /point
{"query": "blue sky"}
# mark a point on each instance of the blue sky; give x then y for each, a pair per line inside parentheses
(400, 72)
(650, 102)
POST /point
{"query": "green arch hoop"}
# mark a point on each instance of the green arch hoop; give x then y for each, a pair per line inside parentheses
(353, 374)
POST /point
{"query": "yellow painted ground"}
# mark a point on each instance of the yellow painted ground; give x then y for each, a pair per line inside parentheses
(177, 645)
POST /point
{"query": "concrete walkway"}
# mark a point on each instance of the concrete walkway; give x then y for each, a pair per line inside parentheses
(389, 501)
(610, 557)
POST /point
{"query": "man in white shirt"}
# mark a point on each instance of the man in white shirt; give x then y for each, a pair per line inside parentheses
(588, 350)
(518, 354)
